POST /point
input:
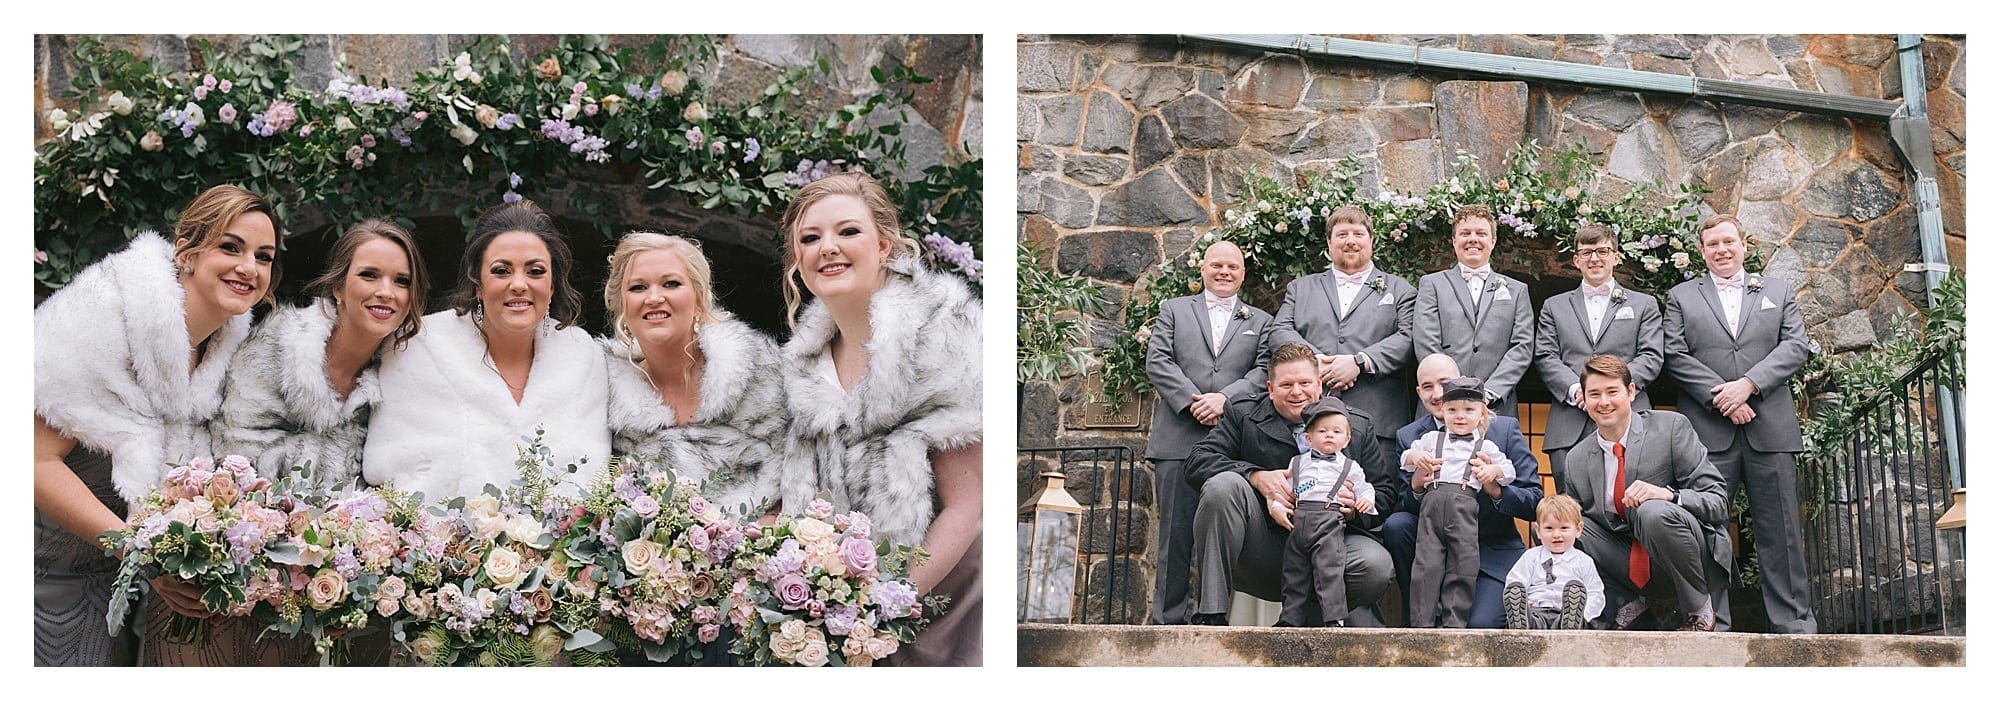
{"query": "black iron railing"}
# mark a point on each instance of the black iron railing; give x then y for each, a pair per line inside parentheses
(1113, 570)
(1873, 552)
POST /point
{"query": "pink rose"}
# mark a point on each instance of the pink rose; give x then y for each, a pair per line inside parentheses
(222, 492)
(708, 632)
(858, 554)
(819, 508)
(698, 538)
(793, 591)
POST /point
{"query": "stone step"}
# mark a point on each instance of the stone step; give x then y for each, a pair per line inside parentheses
(1043, 645)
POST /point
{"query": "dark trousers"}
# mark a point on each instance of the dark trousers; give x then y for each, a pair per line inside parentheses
(1399, 537)
(1675, 546)
(1239, 548)
(1447, 561)
(1315, 555)
(1772, 480)
(1176, 500)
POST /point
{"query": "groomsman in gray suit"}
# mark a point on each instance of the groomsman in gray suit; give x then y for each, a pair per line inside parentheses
(1480, 318)
(1655, 511)
(1733, 341)
(1357, 321)
(1600, 317)
(1202, 349)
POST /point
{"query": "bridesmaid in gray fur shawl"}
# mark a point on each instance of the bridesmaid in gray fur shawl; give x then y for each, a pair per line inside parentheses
(301, 389)
(129, 363)
(883, 382)
(692, 387)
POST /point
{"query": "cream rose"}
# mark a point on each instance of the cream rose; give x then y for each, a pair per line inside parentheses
(486, 116)
(525, 530)
(814, 654)
(504, 567)
(673, 82)
(812, 531)
(694, 112)
(639, 555)
(427, 646)
(151, 141)
(326, 589)
(418, 607)
(547, 644)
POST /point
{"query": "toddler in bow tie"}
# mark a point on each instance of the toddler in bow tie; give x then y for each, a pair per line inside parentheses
(1315, 555)
(1554, 585)
(1443, 576)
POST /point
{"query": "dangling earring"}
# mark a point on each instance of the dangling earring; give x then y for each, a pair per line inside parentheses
(544, 326)
(479, 315)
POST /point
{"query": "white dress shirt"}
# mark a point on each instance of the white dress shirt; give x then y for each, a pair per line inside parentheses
(1476, 285)
(1732, 300)
(1545, 582)
(1456, 467)
(1218, 317)
(1349, 286)
(1595, 306)
(1316, 479)
(1611, 466)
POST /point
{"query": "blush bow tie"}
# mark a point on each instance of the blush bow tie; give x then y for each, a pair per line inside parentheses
(1590, 292)
(1223, 304)
(1736, 282)
(1360, 278)
(1471, 275)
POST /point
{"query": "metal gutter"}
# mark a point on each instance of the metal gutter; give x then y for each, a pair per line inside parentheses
(1910, 129)
(1543, 70)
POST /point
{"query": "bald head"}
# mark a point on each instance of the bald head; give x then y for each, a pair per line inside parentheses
(1431, 374)
(1222, 269)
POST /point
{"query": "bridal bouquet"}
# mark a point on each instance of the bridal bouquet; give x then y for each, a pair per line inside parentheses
(212, 525)
(338, 558)
(814, 590)
(652, 551)
(486, 578)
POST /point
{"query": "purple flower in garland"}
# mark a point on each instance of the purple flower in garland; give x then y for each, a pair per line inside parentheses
(1652, 241)
(634, 91)
(958, 254)
(513, 180)
(401, 137)
(751, 149)
(808, 171)
(507, 121)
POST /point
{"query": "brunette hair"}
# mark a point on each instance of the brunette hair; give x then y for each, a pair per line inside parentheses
(526, 217)
(1290, 353)
(699, 275)
(1474, 210)
(1701, 234)
(1349, 214)
(327, 285)
(1559, 508)
(211, 212)
(1593, 233)
(1607, 366)
(853, 184)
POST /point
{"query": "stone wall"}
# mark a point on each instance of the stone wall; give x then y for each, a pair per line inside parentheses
(1129, 147)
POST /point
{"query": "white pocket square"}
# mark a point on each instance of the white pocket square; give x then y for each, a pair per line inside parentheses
(1502, 295)
(1767, 303)
(1251, 332)
(1624, 313)
(1386, 299)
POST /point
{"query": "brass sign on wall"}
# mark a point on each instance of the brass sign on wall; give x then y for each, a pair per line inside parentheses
(1099, 411)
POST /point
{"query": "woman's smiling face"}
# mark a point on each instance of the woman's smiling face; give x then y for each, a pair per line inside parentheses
(515, 282)
(840, 252)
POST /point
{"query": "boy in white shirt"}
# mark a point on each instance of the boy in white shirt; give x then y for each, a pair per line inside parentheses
(1554, 585)
(1446, 568)
(1315, 553)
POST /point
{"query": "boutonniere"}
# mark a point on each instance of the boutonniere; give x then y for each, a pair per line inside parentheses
(1379, 284)
(1755, 283)
(1242, 312)
(1492, 285)
(1618, 295)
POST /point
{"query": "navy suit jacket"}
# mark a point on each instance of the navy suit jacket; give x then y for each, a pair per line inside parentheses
(1517, 500)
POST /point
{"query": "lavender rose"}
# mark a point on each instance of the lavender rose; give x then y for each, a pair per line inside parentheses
(858, 554)
(793, 591)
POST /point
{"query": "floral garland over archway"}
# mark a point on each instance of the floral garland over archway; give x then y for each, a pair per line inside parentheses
(141, 144)
(1282, 231)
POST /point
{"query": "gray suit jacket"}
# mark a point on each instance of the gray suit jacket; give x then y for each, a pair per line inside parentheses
(1563, 344)
(1771, 346)
(1184, 364)
(1660, 449)
(1494, 341)
(1378, 324)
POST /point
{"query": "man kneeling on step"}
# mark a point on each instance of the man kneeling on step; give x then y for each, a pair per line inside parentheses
(1654, 507)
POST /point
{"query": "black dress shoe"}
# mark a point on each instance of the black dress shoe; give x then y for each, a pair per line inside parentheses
(1211, 619)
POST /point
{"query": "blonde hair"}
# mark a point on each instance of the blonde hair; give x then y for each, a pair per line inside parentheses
(1559, 508)
(210, 213)
(700, 276)
(853, 184)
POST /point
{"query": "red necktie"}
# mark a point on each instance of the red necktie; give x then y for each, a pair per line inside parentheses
(1640, 565)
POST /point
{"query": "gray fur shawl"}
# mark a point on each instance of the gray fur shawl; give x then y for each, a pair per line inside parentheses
(280, 410)
(735, 431)
(112, 365)
(870, 448)
(447, 426)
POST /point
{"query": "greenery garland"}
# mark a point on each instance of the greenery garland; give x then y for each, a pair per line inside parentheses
(142, 143)
(1281, 229)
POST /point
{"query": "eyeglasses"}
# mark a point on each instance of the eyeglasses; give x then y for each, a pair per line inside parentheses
(1606, 252)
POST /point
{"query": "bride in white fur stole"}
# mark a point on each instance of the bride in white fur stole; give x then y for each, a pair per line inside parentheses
(504, 360)
(692, 387)
(301, 390)
(883, 382)
(129, 365)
